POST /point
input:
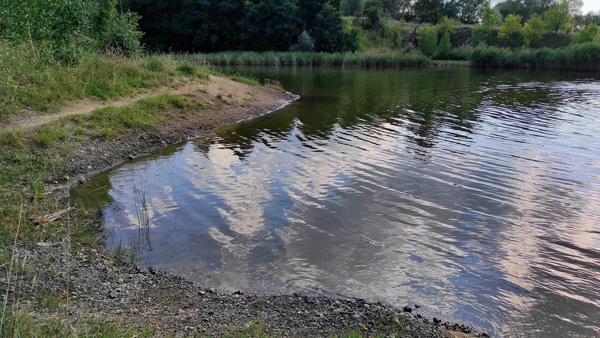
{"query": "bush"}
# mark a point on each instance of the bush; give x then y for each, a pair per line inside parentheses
(462, 53)
(444, 48)
(118, 32)
(428, 41)
(492, 57)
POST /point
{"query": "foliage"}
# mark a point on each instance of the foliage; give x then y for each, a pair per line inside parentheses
(557, 17)
(117, 32)
(270, 25)
(444, 48)
(428, 41)
(429, 10)
(533, 31)
(510, 31)
(445, 26)
(50, 28)
(491, 18)
(399, 9)
(374, 13)
(309, 9)
(470, 11)
(524, 8)
(589, 34)
(353, 7)
(305, 43)
(484, 32)
(329, 30)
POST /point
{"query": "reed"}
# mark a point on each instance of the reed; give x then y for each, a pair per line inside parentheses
(375, 60)
(582, 57)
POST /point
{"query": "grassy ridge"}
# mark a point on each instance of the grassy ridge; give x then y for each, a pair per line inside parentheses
(584, 57)
(311, 59)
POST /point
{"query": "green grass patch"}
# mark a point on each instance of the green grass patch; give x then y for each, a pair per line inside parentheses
(26, 324)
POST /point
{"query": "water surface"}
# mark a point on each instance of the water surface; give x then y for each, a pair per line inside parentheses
(475, 194)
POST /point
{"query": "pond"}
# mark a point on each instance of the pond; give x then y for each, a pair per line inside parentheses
(475, 194)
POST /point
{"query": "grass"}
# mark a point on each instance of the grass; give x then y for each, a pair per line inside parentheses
(28, 324)
(311, 59)
(32, 85)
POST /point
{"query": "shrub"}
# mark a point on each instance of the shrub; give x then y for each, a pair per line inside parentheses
(462, 53)
(428, 41)
(118, 32)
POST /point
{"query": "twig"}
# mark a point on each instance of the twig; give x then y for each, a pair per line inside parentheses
(51, 217)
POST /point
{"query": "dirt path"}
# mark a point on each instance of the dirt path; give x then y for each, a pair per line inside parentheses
(86, 106)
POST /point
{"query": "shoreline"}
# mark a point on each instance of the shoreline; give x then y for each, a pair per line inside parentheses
(96, 284)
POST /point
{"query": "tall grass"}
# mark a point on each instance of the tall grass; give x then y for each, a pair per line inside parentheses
(310, 59)
(584, 57)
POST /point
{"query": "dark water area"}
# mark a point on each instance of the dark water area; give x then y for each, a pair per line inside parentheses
(475, 194)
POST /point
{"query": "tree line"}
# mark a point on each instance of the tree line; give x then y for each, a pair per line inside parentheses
(213, 25)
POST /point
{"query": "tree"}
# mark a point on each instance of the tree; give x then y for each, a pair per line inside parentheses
(533, 30)
(309, 9)
(374, 13)
(470, 11)
(524, 8)
(428, 41)
(270, 25)
(510, 31)
(329, 30)
(305, 43)
(353, 7)
(399, 9)
(484, 32)
(429, 10)
(557, 17)
(445, 47)
(589, 34)
(445, 26)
